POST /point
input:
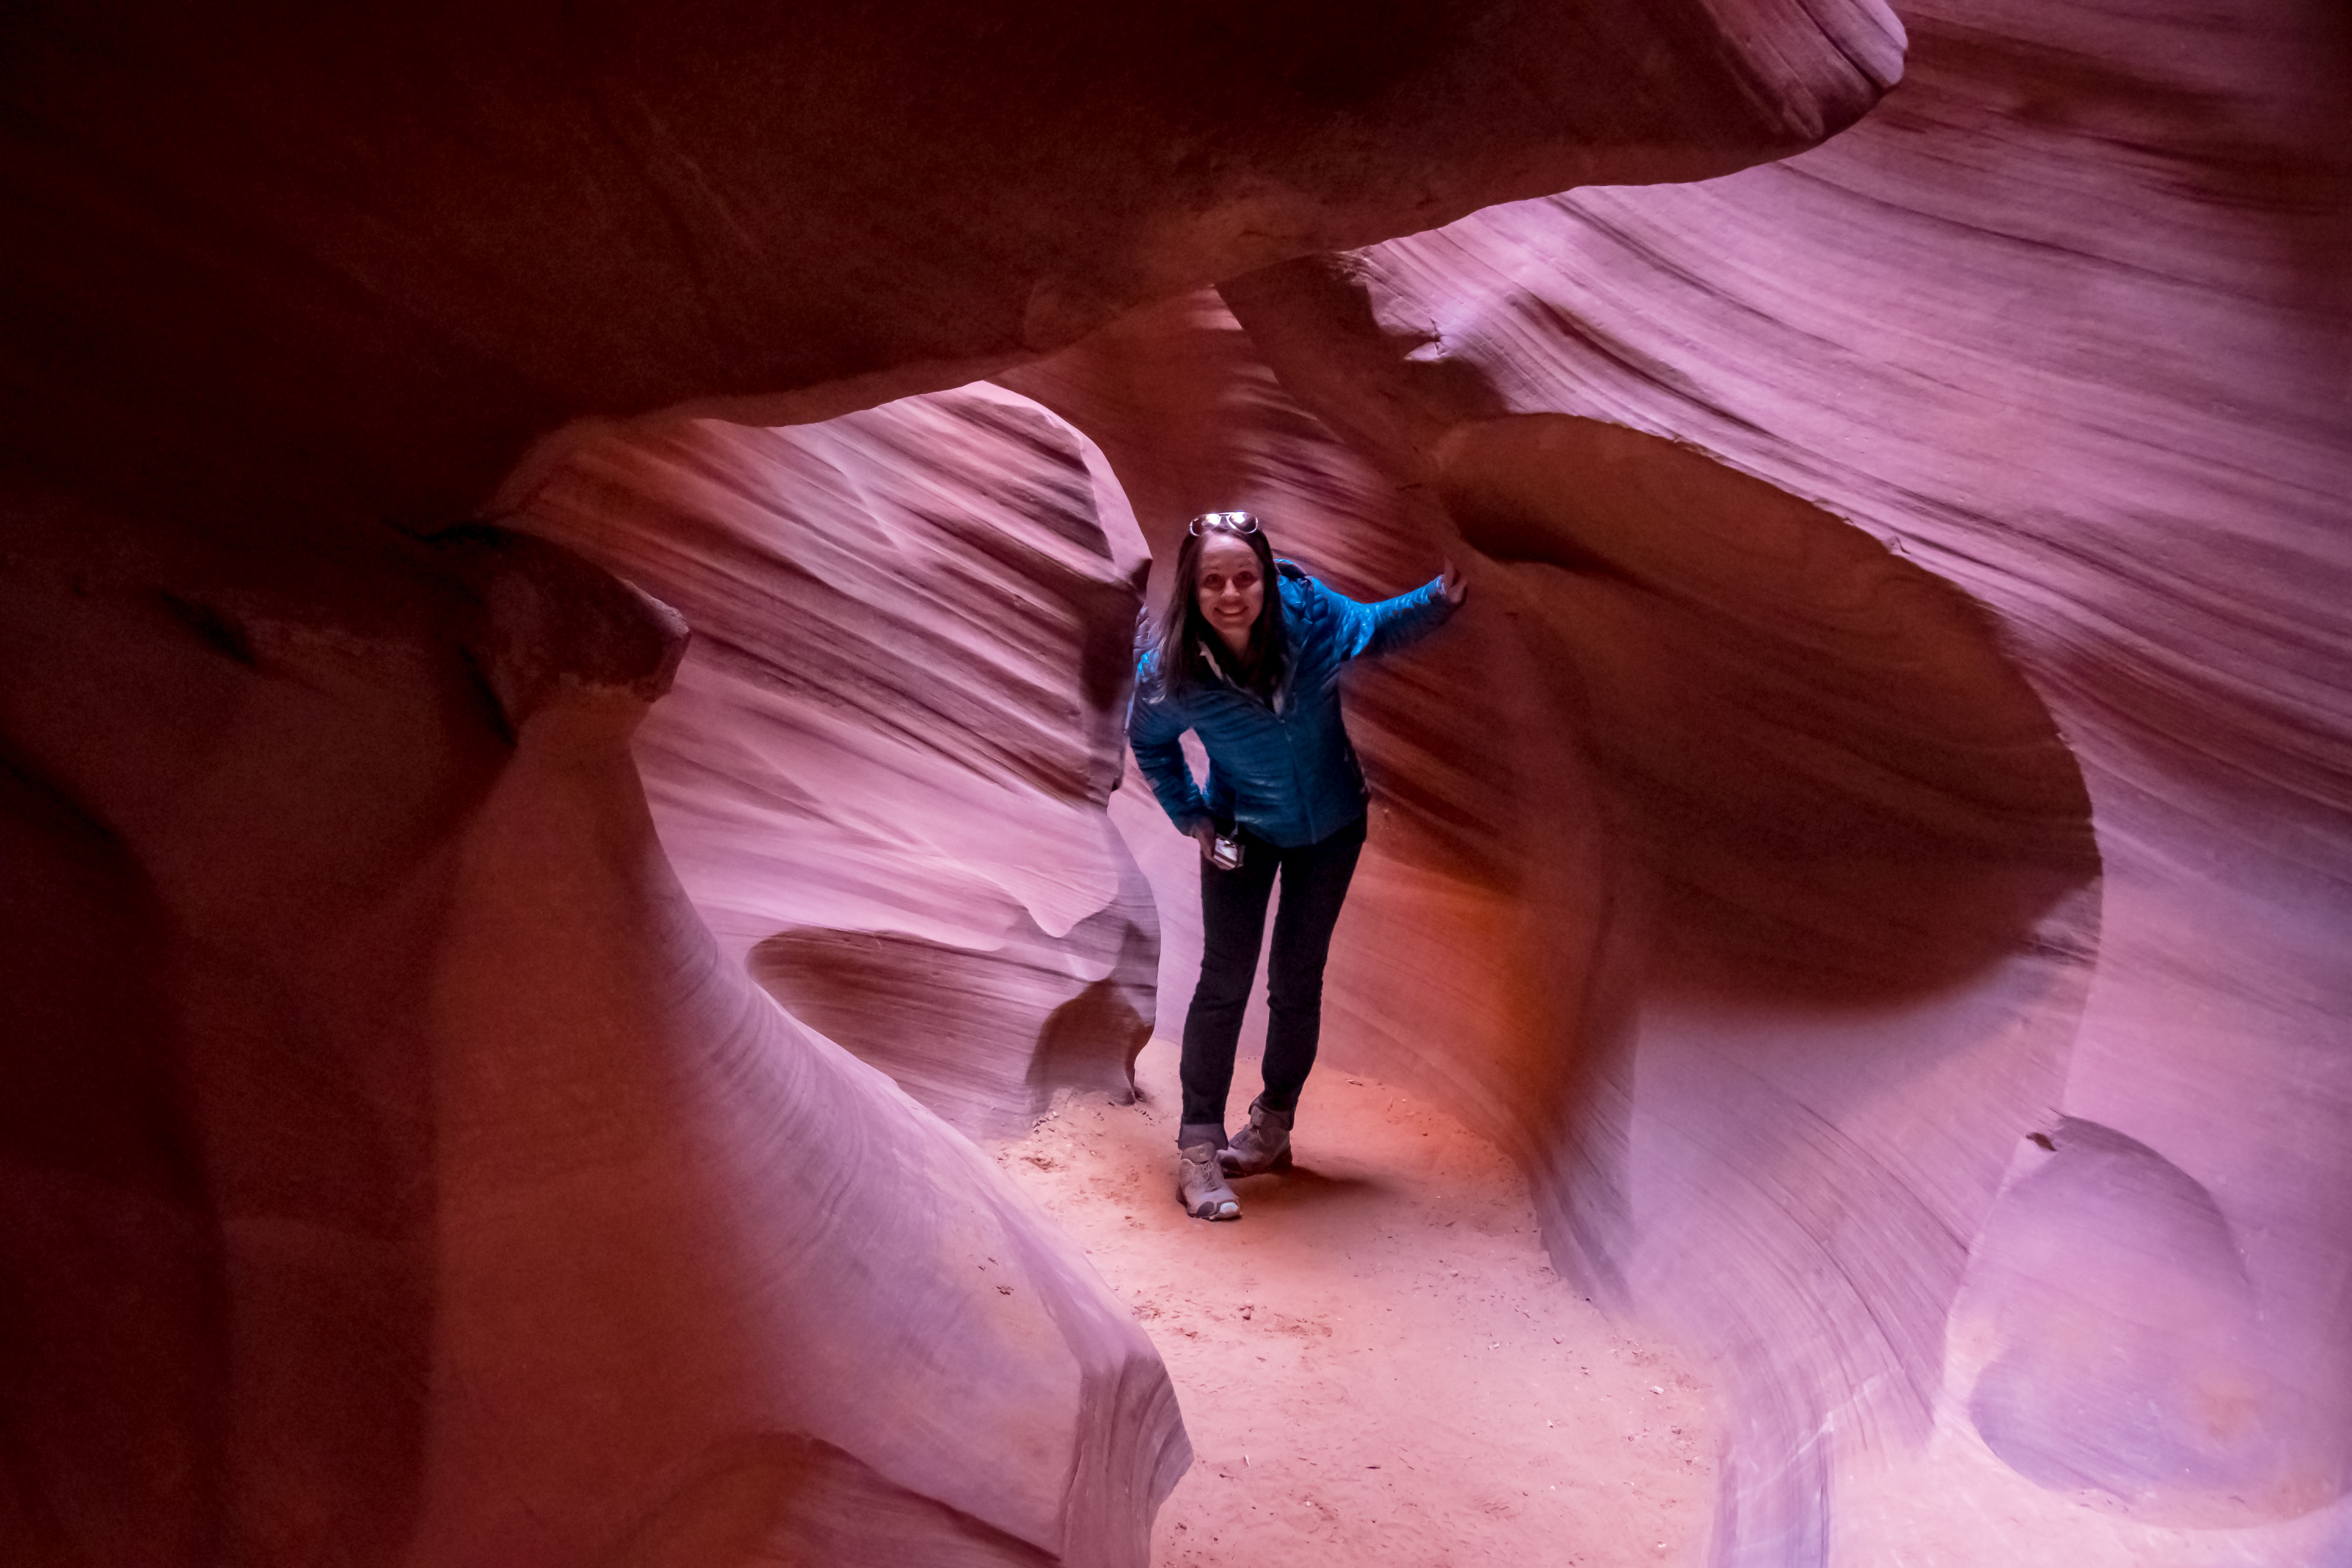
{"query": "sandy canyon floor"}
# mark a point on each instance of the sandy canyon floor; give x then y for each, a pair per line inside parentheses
(1377, 1364)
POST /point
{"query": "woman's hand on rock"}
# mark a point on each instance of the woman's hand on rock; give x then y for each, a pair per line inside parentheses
(1455, 589)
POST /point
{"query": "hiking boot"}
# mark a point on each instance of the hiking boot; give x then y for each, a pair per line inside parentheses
(1201, 1186)
(1264, 1145)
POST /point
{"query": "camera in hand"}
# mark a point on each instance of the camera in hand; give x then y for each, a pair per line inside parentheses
(1225, 852)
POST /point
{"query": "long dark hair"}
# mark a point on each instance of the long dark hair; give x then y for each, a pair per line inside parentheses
(1174, 635)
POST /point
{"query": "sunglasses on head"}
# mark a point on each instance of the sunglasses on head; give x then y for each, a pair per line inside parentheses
(1224, 522)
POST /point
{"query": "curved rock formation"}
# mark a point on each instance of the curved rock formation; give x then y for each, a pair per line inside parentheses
(398, 1166)
(1876, 848)
(1804, 934)
(881, 775)
(344, 266)
(436, 1189)
(1709, 816)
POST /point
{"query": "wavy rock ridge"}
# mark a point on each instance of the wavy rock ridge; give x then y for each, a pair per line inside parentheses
(1875, 851)
(882, 774)
(1852, 979)
(399, 1169)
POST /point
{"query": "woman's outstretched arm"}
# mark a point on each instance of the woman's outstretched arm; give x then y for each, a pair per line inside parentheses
(1389, 625)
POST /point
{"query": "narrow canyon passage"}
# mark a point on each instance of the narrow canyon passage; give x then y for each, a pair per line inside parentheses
(1377, 1364)
(579, 926)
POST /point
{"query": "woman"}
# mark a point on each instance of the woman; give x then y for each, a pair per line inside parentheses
(1246, 655)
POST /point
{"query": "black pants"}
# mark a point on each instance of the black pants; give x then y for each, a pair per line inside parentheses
(1232, 921)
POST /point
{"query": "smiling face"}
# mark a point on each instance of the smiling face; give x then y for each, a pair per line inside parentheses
(1231, 588)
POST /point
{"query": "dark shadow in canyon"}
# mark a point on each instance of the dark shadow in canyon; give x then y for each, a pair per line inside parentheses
(1846, 791)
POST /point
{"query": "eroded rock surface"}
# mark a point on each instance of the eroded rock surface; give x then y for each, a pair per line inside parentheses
(399, 1171)
(347, 265)
(882, 774)
(399, 1168)
(1942, 749)
(1825, 887)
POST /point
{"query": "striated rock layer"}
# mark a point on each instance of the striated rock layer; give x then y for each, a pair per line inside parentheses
(1930, 1002)
(400, 1171)
(1876, 849)
(309, 270)
(882, 772)
(401, 1163)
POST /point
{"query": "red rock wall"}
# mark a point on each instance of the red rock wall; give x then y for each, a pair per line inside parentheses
(882, 773)
(399, 1170)
(346, 265)
(400, 1162)
(399, 1165)
(1767, 893)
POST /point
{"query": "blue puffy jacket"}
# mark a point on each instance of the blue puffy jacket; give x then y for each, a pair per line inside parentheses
(1281, 767)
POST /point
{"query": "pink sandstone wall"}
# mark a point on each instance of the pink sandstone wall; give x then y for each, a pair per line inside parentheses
(1737, 764)
(1882, 988)
(1874, 851)
(2103, 392)
(431, 1184)
(881, 774)
(343, 266)
(402, 1164)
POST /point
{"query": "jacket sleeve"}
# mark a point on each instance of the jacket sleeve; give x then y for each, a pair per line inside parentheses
(1152, 729)
(1388, 625)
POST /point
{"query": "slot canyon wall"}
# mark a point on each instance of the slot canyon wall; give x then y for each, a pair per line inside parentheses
(2119, 421)
(1842, 1021)
(1874, 849)
(401, 1166)
(882, 772)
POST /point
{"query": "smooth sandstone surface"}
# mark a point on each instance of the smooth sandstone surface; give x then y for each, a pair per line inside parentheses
(1875, 852)
(340, 265)
(881, 774)
(1962, 1194)
(431, 1185)
(402, 1164)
